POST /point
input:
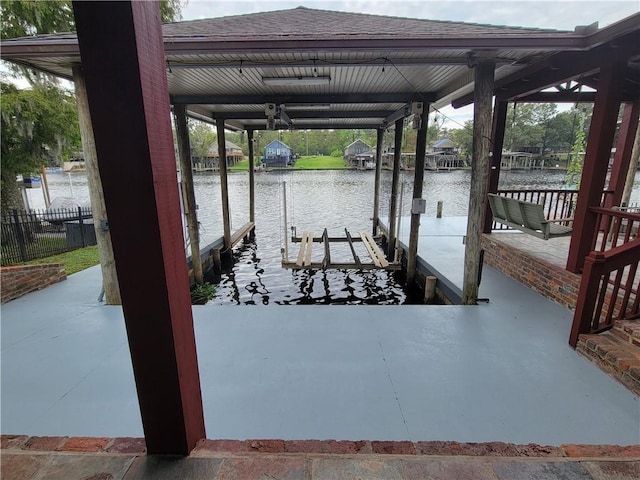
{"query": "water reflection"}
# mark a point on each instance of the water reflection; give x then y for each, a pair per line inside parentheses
(260, 280)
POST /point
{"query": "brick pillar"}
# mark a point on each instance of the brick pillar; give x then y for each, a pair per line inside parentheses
(124, 66)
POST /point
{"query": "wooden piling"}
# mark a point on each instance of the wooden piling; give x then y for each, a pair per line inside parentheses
(421, 149)
(376, 188)
(498, 126)
(483, 93)
(224, 187)
(430, 283)
(252, 186)
(45, 187)
(186, 175)
(110, 283)
(395, 182)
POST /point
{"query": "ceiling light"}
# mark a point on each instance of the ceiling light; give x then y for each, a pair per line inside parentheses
(288, 81)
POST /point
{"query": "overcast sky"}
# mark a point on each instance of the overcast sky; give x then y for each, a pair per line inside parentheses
(542, 13)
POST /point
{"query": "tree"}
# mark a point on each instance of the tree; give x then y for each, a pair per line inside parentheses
(202, 137)
(559, 132)
(434, 130)
(39, 126)
(543, 113)
(463, 137)
(21, 18)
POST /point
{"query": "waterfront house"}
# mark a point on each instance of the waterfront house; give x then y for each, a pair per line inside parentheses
(353, 150)
(234, 154)
(277, 154)
(444, 145)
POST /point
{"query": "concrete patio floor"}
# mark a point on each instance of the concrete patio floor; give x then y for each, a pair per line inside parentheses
(500, 371)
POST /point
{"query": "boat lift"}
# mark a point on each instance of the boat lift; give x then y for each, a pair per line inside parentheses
(303, 260)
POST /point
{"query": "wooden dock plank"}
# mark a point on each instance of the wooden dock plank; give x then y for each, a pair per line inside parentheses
(304, 254)
(242, 232)
(374, 251)
(309, 248)
(353, 250)
(327, 251)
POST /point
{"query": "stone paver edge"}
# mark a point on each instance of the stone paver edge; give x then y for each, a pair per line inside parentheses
(130, 445)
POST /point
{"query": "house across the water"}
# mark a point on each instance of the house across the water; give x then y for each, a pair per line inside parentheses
(354, 150)
(277, 154)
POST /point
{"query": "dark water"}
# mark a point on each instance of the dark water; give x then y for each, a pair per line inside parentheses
(334, 200)
(316, 200)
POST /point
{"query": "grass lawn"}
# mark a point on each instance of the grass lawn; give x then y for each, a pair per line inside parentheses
(73, 261)
(320, 163)
(242, 166)
(303, 163)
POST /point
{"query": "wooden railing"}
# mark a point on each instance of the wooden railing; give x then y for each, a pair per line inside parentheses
(556, 203)
(610, 277)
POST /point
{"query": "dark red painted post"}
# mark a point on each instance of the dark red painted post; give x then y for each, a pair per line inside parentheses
(587, 296)
(497, 142)
(596, 161)
(622, 158)
(124, 66)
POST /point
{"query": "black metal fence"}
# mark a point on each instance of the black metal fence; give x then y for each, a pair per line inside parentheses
(27, 235)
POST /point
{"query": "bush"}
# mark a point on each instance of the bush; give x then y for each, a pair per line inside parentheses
(202, 293)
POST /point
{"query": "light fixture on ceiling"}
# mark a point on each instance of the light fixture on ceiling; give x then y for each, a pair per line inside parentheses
(289, 81)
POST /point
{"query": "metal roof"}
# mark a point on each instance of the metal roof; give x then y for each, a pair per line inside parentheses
(376, 64)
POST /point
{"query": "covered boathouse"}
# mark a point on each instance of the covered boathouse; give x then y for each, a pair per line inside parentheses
(372, 72)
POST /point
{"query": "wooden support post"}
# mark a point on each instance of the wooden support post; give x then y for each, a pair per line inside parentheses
(439, 209)
(482, 93)
(224, 186)
(430, 283)
(376, 186)
(286, 225)
(596, 161)
(186, 174)
(633, 168)
(421, 150)
(497, 141)
(96, 195)
(395, 182)
(252, 183)
(622, 158)
(124, 67)
(45, 187)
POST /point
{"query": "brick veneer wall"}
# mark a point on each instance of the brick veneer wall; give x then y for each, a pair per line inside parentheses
(20, 280)
(550, 281)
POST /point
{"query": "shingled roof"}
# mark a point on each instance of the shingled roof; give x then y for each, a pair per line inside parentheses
(303, 22)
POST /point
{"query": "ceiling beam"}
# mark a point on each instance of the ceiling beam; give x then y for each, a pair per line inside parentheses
(397, 115)
(560, 68)
(402, 97)
(315, 126)
(301, 114)
(559, 97)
